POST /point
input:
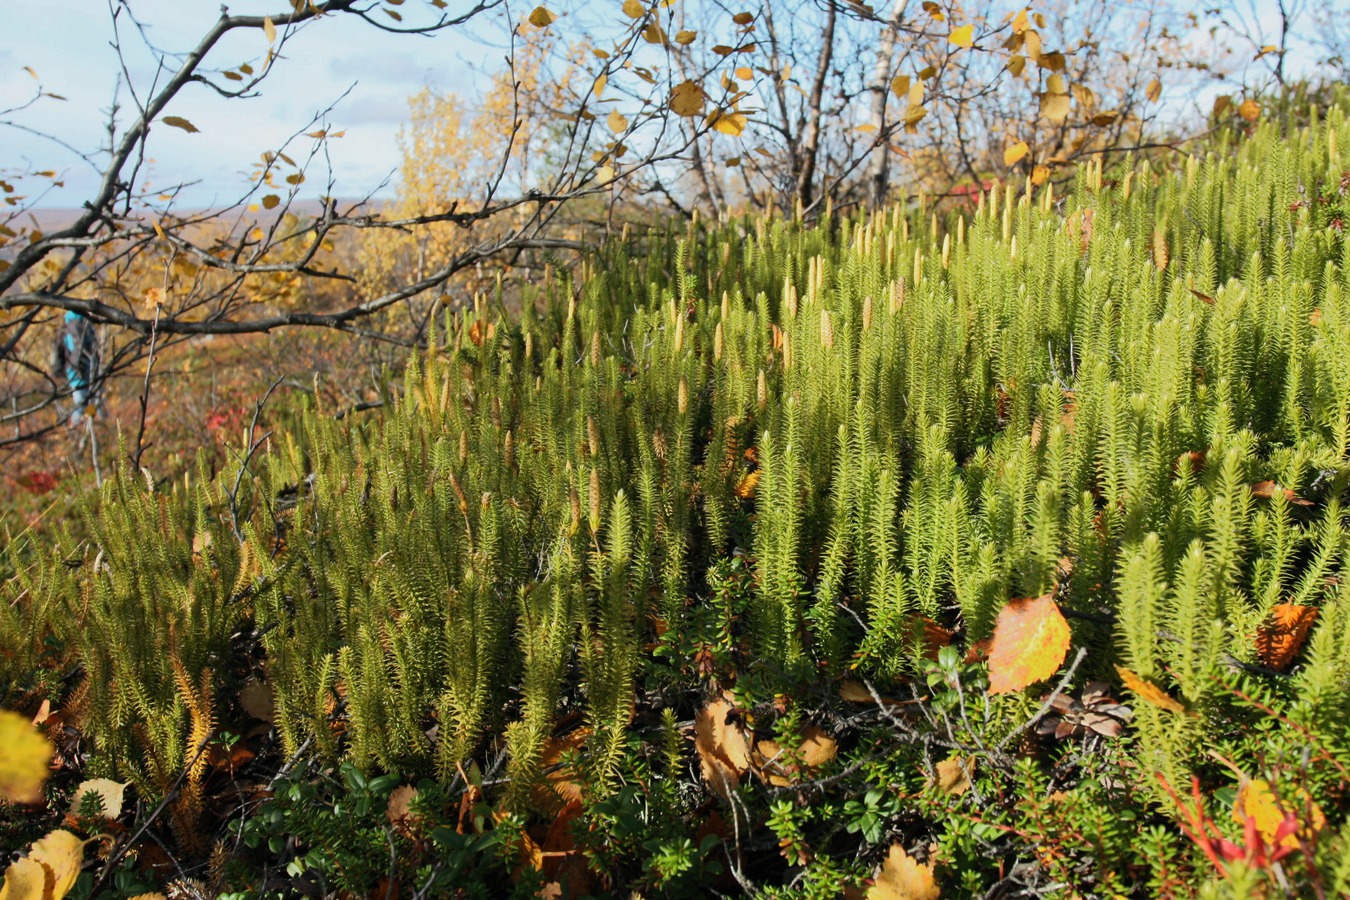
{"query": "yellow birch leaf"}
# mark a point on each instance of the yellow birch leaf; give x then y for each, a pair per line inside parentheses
(1016, 65)
(1031, 42)
(1154, 90)
(1055, 84)
(25, 879)
(687, 99)
(728, 122)
(685, 37)
(541, 17)
(62, 853)
(1055, 62)
(634, 9)
(180, 122)
(270, 201)
(745, 73)
(1055, 107)
(24, 759)
(616, 122)
(1250, 110)
(269, 29)
(963, 36)
(1015, 153)
(110, 792)
(1039, 175)
(900, 86)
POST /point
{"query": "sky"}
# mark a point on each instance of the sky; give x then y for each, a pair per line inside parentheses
(68, 44)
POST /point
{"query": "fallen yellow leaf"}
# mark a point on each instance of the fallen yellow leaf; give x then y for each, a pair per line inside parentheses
(62, 853)
(24, 759)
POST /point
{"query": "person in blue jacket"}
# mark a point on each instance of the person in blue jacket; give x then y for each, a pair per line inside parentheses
(75, 358)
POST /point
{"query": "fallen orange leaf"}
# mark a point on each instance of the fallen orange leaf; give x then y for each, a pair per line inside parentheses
(953, 774)
(1256, 800)
(902, 878)
(1267, 489)
(1148, 691)
(1280, 639)
(1031, 639)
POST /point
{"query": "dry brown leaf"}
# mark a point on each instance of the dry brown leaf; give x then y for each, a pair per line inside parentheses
(1161, 255)
(771, 763)
(953, 774)
(818, 748)
(721, 746)
(1031, 639)
(933, 636)
(1148, 691)
(902, 878)
(855, 692)
(399, 809)
(1268, 489)
(561, 785)
(1281, 638)
(1194, 458)
(255, 698)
